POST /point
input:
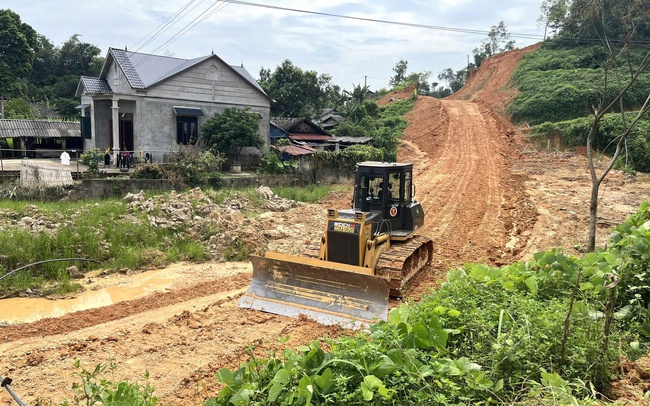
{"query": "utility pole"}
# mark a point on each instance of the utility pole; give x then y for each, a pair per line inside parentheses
(2, 106)
(365, 81)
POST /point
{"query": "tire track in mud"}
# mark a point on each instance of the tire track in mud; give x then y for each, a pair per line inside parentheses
(467, 190)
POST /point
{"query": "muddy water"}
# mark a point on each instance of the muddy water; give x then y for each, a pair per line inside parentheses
(27, 310)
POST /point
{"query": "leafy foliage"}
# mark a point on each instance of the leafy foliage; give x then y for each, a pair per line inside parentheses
(95, 389)
(17, 40)
(91, 158)
(610, 127)
(297, 93)
(231, 131)
(488, 335)
(350, 156)
(498, 41)
(559, 83)
(191, 168)
(32, 68)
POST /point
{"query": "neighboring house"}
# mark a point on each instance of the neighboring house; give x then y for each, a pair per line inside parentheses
(300, 153)
(155, 105)
(328, 119)
(345, 142)
(304, 132)
(38, 138)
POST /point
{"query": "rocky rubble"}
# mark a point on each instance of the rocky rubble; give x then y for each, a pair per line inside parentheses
(221, 227)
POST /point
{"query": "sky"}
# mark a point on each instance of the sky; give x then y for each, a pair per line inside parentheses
(431, 35)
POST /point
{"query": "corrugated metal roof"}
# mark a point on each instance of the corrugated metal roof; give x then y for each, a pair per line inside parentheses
(295, 150)
(95, 85)
(39, 129)
(312, 137)
(353, 140)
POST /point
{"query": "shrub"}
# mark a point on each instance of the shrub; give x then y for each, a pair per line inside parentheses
(148, 171)
(91, 159)
(195, 168)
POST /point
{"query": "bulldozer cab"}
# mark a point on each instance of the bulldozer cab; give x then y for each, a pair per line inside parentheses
(385, 189)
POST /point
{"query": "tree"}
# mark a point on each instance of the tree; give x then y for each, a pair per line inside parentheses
(297, 93)
(17, 41)
(400, 73)
(622, 74)
(554, 13)
(231, 131)
(455, 79)
(498, 41)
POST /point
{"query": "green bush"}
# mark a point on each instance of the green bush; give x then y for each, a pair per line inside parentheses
(91, 159)
(574, 132)
(96, 389)
(195, 168)
(559, 83)
(148, 171)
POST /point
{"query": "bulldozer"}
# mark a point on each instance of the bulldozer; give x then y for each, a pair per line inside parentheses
(366, 255)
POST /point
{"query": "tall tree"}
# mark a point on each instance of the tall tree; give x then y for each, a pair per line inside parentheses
(399, 69)
(17, 41)
(497, 41)
(297, 93)
(618, 32)
(554, 14)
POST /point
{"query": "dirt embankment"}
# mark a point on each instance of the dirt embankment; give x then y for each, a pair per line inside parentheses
(488, 197)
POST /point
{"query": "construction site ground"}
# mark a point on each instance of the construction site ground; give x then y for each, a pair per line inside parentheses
(489, 196)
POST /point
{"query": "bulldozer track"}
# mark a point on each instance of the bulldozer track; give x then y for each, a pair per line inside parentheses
(403, 261)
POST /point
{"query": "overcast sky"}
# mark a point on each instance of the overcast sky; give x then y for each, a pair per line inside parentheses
(351, 51)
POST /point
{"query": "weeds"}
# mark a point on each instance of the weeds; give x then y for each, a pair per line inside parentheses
(96, 389)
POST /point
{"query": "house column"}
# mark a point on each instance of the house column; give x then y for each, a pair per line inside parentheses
(115, 115)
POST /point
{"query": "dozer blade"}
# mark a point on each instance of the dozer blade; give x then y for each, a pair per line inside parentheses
(327, 292)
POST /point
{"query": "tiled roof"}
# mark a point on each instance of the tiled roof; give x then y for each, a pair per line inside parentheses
(127, 67)
(145, 70)
(95, 85)
(285, 123)
(39, 129)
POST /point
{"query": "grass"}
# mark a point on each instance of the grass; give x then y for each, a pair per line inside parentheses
(110, 232)
(308, 194)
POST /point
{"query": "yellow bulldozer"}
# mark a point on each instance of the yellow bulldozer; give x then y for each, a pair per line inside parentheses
(366, 255)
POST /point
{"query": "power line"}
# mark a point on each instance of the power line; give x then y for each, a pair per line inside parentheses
(166, 25)
(198, 19)
(373, 20)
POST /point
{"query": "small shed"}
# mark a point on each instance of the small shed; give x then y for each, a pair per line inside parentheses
(300, 153)
(38, 138)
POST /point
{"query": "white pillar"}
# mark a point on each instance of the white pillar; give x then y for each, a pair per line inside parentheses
(115, 110)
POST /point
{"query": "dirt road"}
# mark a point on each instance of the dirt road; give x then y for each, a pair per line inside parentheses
(488, 196)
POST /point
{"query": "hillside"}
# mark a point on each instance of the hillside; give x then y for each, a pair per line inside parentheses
(488, 195)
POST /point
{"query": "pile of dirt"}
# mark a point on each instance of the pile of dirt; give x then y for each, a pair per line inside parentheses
(491, 83)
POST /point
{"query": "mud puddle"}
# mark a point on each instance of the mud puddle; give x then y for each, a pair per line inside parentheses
(27, 310)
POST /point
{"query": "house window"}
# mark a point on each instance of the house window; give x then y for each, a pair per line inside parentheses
(187, 130)
(187, 124)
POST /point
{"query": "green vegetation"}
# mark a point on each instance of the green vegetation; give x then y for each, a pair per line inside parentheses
(96, 389)
(386, 129)
(231, 131)
(307, 194)
(611, 126)
(543, 331)
(559, 83)
(117, 234)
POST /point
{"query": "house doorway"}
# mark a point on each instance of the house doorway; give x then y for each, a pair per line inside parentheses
(125, 132)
